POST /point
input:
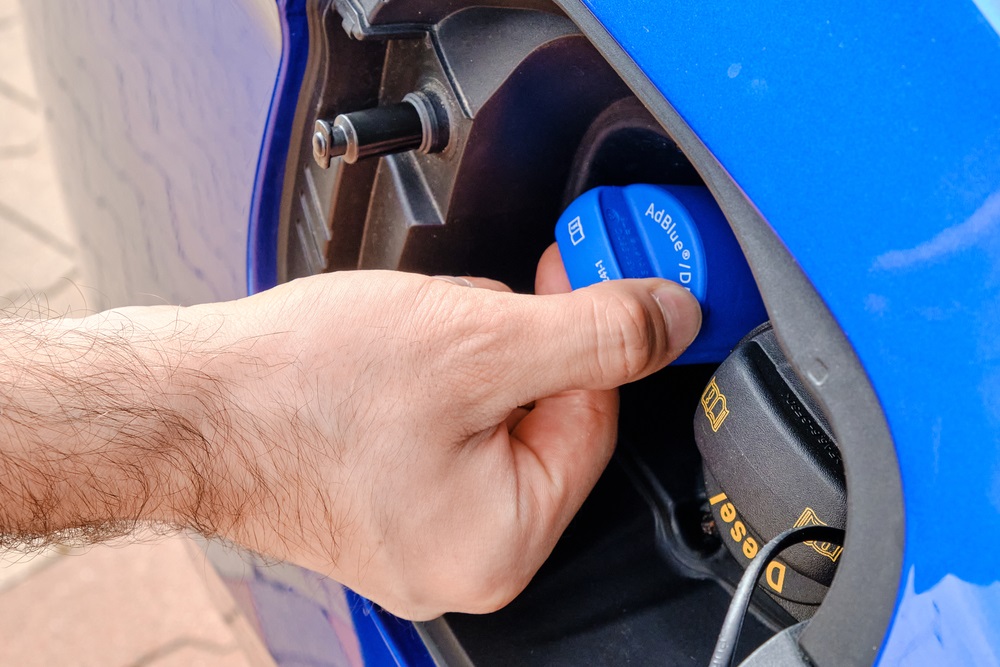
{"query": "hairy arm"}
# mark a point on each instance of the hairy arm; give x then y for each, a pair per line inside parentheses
(103, 425)
(366, 425)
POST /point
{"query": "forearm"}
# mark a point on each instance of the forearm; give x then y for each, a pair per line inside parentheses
(102, 425)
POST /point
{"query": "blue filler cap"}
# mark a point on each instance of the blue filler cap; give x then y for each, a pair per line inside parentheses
(675, 232)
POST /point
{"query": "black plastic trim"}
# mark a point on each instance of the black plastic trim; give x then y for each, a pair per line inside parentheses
(869, 576)
(380, 19)
(781, 650)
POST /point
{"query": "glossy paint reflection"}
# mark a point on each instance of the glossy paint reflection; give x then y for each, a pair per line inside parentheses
(869, 137)
(303, 617)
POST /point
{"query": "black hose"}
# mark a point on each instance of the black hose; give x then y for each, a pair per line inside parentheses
(725, 647)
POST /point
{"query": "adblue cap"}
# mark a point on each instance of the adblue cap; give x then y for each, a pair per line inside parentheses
(675, 232)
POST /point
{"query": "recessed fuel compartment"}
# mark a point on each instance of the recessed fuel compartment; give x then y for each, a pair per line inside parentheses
(536, 116)
(638, 578)
(515, 122)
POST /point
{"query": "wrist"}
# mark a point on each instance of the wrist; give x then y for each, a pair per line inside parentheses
(178, 358)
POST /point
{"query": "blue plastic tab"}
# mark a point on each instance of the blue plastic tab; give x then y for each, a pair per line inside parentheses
(628, 246)
(584, 242)
(670, 231)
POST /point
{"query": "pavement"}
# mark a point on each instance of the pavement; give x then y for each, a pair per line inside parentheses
(146, 600)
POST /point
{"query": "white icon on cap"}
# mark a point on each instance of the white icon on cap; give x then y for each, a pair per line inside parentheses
(576, 230)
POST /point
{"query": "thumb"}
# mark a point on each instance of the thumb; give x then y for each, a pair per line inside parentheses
(602, 336)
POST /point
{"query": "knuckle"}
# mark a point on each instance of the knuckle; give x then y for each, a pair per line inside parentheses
(470, 347)
(501, 597)
(432, 308)
(485, 582)
(489, 595)
(631, 338)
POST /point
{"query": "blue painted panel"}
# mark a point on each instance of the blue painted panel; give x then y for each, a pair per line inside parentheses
(869, 137)
(306, 619)
(385, 639)
(262, 247)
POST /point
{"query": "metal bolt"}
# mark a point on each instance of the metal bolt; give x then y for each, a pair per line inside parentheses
(321, 143)
(320, 148)
(329, 141)
(416, 123)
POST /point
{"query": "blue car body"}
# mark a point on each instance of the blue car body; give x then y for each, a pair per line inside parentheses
(866, 136)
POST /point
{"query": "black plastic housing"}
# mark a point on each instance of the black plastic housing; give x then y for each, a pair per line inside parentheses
(771, 463)
(387, 129)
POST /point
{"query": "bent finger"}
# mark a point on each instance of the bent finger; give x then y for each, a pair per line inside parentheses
(562, 447)
(550, 277)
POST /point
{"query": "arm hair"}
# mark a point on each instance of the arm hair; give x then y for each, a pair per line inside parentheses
(103, 428)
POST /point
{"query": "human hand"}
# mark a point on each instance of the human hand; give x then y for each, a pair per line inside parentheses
(418, 439)
(382, 440)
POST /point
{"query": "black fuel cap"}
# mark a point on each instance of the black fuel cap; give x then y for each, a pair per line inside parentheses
(771, 463)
